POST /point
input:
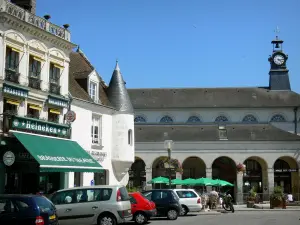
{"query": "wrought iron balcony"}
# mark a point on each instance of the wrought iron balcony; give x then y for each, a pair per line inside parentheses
(22, 14)
(34, 82)
(12, 76)
(54, 88)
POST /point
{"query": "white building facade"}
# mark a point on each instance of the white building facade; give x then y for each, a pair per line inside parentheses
(215, 129)
(104, 123)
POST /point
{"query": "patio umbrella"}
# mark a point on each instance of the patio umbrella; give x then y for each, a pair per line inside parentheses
(177, 181)
(205, 181)
(159, 180)
(189, 181)
(222, 183)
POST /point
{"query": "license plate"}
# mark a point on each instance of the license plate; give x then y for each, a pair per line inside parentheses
(52, 217)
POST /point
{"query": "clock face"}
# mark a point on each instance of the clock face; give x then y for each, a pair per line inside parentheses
(278, 59)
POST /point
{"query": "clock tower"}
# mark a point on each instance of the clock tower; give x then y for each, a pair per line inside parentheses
(279, 74)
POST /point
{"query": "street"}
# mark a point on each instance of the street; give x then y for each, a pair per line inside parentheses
(237, 218)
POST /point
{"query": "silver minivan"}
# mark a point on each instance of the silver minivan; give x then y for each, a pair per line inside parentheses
(100, 204)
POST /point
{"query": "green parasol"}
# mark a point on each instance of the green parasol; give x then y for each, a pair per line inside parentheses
(177, 181)
(221, 183)
(159, 180)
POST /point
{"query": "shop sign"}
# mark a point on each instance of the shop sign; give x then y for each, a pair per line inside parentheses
(15, 91)
(70, 116)
(58, 102)
(97, 155)
(285, 170)
(22, 123)
(64, 159)
(9, 158)
(25, 156)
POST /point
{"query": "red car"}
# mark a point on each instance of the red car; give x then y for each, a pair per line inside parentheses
(141, 208)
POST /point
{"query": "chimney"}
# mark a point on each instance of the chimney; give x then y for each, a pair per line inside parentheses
(29, 5)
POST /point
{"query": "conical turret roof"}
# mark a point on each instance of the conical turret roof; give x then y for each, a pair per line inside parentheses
(117, 92)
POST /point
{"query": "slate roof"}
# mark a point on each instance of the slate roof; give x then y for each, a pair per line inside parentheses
(210, 132)
(164, 98)
(117, 92)
(79, 70)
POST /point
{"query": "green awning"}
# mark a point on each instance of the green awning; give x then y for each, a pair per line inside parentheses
(58, 154)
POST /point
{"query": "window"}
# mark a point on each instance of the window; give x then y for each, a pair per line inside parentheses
(96, 131)
(6, 205)
(33, 111)
(222, 133)
(193, 119)
(21, 205)
(103, 194)
(11, 106)
(139, 119)
(100, 178)
(166, 119)
(147, 195)
(44, 204)
(249, 119)
(93, 90)
(54, 73)
(130, 137)
(132, 200)
(221, 119)
(34, 67)
(12, 59)
(124, 194)
(64, 197)
(186, 194)
(53, 115)
(277, 118)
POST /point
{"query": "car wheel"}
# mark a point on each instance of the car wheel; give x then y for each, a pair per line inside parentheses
(107, 220)
(184, 211)
(172, 214)
(140, 218)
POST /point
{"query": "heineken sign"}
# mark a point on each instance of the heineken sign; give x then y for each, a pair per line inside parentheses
(22, 123)
(15, 91)
(57, 102)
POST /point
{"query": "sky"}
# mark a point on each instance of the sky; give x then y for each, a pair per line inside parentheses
(182, 43)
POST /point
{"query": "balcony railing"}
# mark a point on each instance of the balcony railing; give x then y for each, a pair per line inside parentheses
(37, 21)
(54, 88)
(35, 82)
(12, 76)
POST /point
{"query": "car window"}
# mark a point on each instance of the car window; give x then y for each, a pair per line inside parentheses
(102, 194)
(186, 194)
(132, 199)
(147, 195)
(44, 204)
(6, 206)
(21, 205)
(159, 195)
(65, 197)
(124, 194)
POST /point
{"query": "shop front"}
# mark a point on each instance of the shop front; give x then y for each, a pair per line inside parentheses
(33, 161)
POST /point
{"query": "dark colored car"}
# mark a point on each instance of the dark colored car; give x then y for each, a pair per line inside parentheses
(141, 208)
(166, 201)
(27, 210)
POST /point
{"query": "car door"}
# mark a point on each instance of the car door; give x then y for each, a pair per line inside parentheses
(8, 214)
(160, 198)
(70, 207)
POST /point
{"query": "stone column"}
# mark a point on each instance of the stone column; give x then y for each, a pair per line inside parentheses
(239, 188)
(270, 180)
(208, 175)
(148, 178)
(179, 176)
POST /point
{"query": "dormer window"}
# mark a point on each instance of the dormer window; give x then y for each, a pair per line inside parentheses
(93, 90)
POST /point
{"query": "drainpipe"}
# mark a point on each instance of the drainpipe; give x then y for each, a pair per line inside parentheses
(295, 120)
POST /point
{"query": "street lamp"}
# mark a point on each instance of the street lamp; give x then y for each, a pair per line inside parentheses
(168, 145)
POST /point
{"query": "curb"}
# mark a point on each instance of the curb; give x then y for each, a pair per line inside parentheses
(270, 210)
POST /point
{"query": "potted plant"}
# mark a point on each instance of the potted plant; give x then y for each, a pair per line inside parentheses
(47, 16)
(241, 168)
(277, 199)
(251, 198)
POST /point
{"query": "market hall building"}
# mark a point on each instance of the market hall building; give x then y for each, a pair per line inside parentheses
(215, 129)
(35, 147)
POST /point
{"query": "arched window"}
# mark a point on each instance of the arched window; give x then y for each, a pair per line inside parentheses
(193, 119)
(166, 119)
(249, 119)
(139, 119)
(221, 119)
(130, 137)
(277, 118)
